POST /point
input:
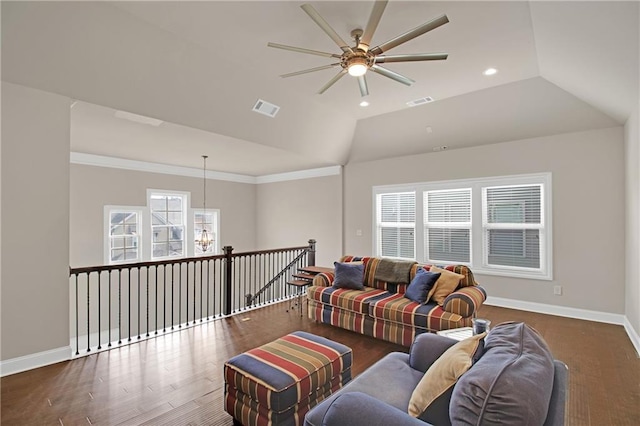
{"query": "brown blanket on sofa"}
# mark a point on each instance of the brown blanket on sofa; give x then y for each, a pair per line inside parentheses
(394, 271)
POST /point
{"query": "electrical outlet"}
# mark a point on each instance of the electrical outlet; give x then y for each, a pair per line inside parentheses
(557, 290)
(358, 232)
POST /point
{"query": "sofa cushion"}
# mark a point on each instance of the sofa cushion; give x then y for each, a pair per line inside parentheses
(446, 284)
(390, 372)
(514, 353)
(444, 373)
(397, 309)
(344, 298)
(349, 275)
(420, 285)
(467, 281)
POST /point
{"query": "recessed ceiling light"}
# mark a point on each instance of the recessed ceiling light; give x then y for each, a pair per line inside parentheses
(490, 71)
(364, 104)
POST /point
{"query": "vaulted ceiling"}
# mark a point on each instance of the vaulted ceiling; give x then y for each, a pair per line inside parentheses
(201, 66)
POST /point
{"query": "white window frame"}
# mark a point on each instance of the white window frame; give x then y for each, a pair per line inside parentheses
(540, 227)
(377, 224)
(141, 225)
(186, 202)
(216, 230)
(478, 263)
(447, 225)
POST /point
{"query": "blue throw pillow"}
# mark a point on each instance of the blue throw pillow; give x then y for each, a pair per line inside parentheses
(349, 275)
(420, 285)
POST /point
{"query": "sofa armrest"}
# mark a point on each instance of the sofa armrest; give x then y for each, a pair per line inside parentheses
(557, 406)
(465, 301)
(426, 348)
(357, 408)
(323, 279)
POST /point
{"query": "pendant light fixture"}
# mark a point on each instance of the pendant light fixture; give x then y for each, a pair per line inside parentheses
(205, 240)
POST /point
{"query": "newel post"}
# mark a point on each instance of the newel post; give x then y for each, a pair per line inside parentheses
(228, 275)
(311, 257)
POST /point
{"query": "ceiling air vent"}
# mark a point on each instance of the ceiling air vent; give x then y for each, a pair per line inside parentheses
(420, 101)
(266, 108)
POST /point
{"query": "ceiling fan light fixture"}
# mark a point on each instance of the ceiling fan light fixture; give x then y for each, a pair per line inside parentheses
(358, 67)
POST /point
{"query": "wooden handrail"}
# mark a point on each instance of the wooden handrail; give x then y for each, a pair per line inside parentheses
(172, 261)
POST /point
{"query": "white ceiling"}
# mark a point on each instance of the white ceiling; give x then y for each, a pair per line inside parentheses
(200, 67)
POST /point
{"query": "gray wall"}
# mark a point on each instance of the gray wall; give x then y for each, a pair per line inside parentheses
(292, 212)
(632, 157)
(94, 187)
(35, 221)
(588, 209)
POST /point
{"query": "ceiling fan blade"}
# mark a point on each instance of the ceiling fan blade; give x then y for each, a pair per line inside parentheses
(313, 14)
(323, 67)
(362, 82)
(392, 75)
(413, 57)
(332, 81)
(303, 50)
(374, 20)
(411, 34)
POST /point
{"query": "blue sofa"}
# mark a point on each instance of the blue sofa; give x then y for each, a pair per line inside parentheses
(515, 381)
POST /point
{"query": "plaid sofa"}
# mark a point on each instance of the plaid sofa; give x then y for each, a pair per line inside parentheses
(382, 311)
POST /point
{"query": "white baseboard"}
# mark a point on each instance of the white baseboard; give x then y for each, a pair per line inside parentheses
(561, 311)
(633, 335)
(564, 311)
(31, 361)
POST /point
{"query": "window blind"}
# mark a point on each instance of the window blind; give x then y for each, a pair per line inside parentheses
(396, 224)
(448, 225)
(513, 228)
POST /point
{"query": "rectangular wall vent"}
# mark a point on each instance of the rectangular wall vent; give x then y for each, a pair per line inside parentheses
(420, 101)
(266, 108)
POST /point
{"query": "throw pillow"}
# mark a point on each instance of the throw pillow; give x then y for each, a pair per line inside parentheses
(516, 366)
(420, 285)
(444, 373)
(349, 275)
(446, 284)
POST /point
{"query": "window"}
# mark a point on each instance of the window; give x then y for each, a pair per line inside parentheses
(123, 230)
(173, 225)
(513, 225)
(396, 215)
(167, 225)
(496, 226)
(206, 220)
(447, 222)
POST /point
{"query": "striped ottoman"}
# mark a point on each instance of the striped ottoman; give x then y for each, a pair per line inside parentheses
(277, 383)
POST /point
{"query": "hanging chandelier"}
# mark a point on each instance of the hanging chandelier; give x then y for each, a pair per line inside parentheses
(205, 240)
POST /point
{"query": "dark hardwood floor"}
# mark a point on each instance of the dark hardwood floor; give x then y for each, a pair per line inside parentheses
(176, 379)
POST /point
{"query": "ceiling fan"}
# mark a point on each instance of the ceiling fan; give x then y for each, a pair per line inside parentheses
(358, 59)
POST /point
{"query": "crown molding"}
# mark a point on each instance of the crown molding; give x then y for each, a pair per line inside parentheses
(143, 166)
(300, 174)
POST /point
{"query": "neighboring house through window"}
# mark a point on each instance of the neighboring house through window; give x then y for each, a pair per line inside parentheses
(165, 228)
(168, 213)
(123, 228)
